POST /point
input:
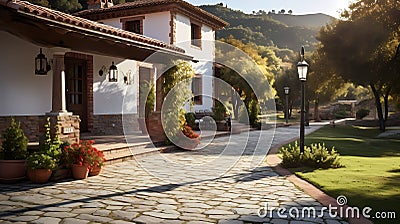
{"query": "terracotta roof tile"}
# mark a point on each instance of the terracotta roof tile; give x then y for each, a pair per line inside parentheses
(83, 23)
(196, 11)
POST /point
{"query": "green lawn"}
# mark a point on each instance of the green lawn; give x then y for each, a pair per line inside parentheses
(371, 176)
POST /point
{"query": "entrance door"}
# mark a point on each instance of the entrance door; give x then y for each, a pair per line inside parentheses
(76, 89)
(144, 76)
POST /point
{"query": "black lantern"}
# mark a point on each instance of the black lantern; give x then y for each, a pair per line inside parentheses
(113, 73)
(287, 89)
(41, 65)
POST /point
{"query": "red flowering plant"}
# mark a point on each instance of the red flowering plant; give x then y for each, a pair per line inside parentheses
(83, 153)
(194, 138)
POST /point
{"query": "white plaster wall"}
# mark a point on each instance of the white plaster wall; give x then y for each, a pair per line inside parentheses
(21, 91)
(156, 25)
(114, 22)
(111, 97)
(205, 54)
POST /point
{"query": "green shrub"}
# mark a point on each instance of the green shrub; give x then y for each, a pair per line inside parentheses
(41, 161)
(314, 156)
(219, 111)
(361, 113)
(191, 120)
(15, 143)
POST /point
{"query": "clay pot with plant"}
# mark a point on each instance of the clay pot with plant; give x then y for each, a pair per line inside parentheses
(220, 111)
(40, 166)
(13, 153)
(42, 163)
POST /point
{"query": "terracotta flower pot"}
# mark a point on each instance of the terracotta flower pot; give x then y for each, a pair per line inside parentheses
(39, 176)
(12, 170)
(79, 171)
(61, 174)
(94, 171)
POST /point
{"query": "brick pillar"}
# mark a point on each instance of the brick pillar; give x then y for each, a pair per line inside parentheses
(68, 127)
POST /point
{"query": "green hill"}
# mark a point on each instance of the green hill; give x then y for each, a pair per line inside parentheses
(279, 30)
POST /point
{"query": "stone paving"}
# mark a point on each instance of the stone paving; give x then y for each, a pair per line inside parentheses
(200, 186)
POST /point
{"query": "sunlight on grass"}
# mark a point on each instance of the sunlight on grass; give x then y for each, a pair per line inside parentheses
(339, 139)
(371, 176)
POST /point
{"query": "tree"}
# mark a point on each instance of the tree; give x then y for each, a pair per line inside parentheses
(282, 11)
(290, 12)
(362, 48)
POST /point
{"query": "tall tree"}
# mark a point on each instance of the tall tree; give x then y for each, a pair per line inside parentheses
(362, 48)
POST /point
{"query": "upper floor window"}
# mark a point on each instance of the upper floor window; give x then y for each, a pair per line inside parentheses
(195, 34)
(134, 25)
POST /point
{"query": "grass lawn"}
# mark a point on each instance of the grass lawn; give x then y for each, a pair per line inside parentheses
(371, 176)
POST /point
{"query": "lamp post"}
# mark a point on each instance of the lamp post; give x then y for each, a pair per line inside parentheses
(287, 90)
(302, 68)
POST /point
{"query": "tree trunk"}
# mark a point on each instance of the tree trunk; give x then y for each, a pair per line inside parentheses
(316, 111)
(378, 105)
(386, 103)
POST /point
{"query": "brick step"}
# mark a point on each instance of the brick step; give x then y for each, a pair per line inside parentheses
(120, 154)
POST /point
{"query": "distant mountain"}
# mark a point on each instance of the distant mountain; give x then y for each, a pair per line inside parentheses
(312, 21)
(280, 30)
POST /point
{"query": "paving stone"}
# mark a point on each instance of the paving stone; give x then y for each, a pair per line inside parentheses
(74, 221)
(102, 212)
(60, 214)
(124, 215)
(93, 218)
(25, 218)
(147, 219)
(56, 209)
(218, 212)
(47, 220)
(162, 215)
(36, 199)
(84, 210)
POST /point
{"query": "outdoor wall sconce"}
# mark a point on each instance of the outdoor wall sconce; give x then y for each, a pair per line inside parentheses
(128, 78)
(112, 72)
(41, 64)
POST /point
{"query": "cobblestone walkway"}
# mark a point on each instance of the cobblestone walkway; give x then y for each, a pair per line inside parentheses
(179, 187)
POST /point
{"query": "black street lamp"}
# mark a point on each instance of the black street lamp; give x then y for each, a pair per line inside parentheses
(302, 68)
(287, 90)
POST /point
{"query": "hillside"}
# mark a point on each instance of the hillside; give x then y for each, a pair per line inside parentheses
(280, 30)
(312, 21)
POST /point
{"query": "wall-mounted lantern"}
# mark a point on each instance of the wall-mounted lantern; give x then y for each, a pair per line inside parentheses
(41, 64)
(128, 79)
(112, 72)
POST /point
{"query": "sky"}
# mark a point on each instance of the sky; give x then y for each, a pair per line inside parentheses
(329, 7)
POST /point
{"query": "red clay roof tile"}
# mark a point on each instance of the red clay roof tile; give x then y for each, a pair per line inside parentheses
(83, 23)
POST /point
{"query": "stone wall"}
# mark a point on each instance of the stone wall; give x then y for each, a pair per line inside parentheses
(112, 124)
(33, 126)
(68, 127)
(29, 124)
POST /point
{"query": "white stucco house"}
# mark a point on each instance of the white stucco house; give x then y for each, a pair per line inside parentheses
(76, 88)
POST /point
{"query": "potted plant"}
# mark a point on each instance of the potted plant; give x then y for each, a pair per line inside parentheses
(96, 161)
(46, 159)
(40, 166)
(219, 111)
(79, 157)
(147, 97)
(13, 153)
(190, 140)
